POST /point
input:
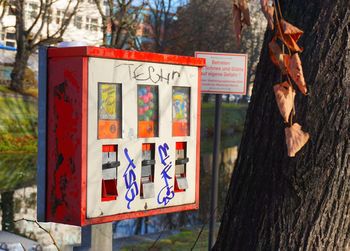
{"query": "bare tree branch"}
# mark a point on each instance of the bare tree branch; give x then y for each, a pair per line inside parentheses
(60, 31)
(99, 8)
(46, 231)
(120, 22)
(38, 16)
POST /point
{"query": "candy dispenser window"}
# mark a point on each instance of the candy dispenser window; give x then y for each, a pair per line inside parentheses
(147, 112)
(181, 111)
(109, 110)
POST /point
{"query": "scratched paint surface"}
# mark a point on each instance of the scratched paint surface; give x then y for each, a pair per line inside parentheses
(64, 140)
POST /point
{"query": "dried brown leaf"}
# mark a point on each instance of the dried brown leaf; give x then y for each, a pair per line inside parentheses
(237, 24)
(284, 94)
(295, 139)
(268, 12)
(290, 35)
(277, 57)
(295, 70)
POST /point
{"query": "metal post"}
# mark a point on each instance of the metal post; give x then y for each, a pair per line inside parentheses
(215, 171)
(96, 237)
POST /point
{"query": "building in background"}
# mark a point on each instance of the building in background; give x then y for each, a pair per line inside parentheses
(84, 27)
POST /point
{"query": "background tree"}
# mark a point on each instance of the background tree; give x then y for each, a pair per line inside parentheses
(203, 26)
(120, 22)
(207, 26)
(30, 35)
(162, 16)
(303, 203)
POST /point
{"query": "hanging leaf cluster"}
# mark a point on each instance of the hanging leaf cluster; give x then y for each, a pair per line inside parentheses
(241, 17)
(286, 37)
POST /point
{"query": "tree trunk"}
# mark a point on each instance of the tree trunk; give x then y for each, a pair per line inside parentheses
(23, 50)
(18, 72)
(7, 209)
(303, 203)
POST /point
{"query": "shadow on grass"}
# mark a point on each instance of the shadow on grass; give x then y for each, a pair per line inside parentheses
(17, 171)
(18, 123)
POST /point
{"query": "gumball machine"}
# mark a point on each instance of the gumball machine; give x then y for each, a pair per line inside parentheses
(119, 134)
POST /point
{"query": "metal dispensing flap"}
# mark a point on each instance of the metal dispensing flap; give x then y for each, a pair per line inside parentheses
(148, 190)
(146, 171)
(180, 169)
(181, 182)
(109, 174)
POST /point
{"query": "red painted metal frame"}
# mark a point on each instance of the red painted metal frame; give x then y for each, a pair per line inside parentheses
(67, 138)
(99, 52)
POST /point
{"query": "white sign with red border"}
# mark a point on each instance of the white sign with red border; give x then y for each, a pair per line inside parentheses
(224, 73)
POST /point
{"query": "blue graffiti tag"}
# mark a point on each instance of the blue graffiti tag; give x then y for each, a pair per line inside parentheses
(130, 180)
(166, 193)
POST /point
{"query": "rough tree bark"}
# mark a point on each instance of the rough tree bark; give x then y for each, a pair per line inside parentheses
(303, 203)
(22, 55)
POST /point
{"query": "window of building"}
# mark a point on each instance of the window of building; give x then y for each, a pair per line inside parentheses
(11, 44)
(78, 22)
(11, 36)
(33, 10)
(91, 24)
(59, 16)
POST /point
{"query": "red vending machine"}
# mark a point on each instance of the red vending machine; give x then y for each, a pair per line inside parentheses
(119, 134)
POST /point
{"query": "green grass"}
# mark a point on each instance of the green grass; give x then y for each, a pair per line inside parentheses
(18, 125)
(184, 240)
(5, 90)
(17, 170)
(232, 124)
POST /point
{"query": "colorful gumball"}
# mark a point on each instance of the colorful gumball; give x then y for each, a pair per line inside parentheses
(145, 99)
(149, 113)
(150, 95)
(141, 111)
